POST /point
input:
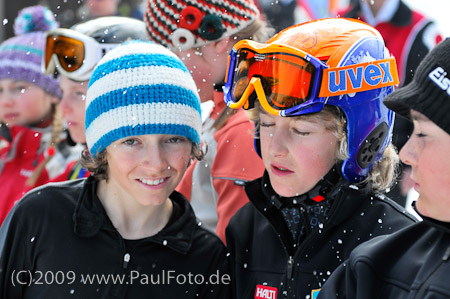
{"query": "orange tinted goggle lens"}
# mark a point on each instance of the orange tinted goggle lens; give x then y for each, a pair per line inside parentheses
(286, 78)
(70, 52)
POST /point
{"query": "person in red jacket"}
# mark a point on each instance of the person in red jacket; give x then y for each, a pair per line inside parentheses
(97, 37)
(203, 36)
(32, 145)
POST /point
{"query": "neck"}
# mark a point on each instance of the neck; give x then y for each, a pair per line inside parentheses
(379, 11)
(131, 219)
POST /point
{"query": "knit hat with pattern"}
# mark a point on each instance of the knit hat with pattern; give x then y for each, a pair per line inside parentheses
(21, 56)
(140, 88)
(184, 24)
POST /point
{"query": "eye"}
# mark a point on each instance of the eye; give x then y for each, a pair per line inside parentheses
(176, 139)
(131, 142)
(421, 135)
(266, 124)
(20, 88)
(78, 95)
(300, 132)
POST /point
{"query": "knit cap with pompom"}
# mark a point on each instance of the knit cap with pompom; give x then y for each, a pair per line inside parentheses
(21, 55)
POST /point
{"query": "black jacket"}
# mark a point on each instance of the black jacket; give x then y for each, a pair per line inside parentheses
(262, 255)
(59, 233)
(412, 263)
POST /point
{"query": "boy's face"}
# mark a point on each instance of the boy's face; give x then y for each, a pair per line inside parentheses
(207, 66)
(73, 107)
(145, 169)
(296, 152)
(427, 153)
(23, 103)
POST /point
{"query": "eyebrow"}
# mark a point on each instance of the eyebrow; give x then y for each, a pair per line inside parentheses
(418, 116)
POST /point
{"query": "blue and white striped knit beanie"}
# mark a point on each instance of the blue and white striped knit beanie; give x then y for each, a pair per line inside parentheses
(140, 88)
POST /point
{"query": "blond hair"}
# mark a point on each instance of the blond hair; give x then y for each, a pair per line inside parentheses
(383, 172)
(57, 128)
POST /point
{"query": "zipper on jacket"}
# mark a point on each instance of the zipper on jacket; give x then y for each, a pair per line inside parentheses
(126, 259)
(290, 270)
(290, 267)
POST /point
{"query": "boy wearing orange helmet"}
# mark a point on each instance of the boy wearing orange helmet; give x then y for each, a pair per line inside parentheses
(315, 93)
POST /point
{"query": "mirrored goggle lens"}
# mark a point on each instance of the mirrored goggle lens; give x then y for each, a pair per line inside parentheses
(69, 52)
(286, 78)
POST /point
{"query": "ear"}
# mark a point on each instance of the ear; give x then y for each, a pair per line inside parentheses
(223, 46)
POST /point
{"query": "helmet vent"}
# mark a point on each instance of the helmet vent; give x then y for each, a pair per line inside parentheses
(370, 147)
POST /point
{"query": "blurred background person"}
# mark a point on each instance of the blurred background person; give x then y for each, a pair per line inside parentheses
(203, 36)
(102, 8)
(279, 13)
(66, 12)
(74, 53)
(33, 149)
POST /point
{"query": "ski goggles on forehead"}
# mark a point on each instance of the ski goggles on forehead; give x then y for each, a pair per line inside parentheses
(72, 54)
(289, 82)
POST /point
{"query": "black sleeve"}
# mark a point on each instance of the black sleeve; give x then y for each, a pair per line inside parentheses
(231, 259)
(14, 275)
(339, 284)
(219, 286)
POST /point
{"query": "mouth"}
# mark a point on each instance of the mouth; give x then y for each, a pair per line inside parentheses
(11, 116)
(153, 182)
(280, 170)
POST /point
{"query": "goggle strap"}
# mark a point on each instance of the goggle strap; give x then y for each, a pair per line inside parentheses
(256, 82)
(359, 77)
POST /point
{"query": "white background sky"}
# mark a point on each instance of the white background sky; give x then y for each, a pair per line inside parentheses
(438, 10)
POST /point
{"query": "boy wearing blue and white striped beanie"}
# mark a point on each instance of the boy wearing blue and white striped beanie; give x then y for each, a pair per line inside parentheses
(125, 219)
(140, 88)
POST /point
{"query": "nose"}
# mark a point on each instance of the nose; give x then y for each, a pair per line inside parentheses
(277, 143)
(65, 105)
(153, 157)
(6, 100)
(409, 152)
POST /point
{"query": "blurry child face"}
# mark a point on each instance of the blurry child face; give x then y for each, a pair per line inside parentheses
(23, 103)
(207, 67)
(101, 8)
(427, 153)
(147, 168)
(296, 152)
(73, 107)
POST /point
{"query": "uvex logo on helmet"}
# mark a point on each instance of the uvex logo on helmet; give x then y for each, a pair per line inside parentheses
(359, 77)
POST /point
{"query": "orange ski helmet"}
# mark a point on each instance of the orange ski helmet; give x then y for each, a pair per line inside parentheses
(335, 61)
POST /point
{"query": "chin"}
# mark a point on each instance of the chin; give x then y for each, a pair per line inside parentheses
(284, 191)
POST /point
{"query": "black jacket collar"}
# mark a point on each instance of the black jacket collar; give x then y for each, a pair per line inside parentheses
(346, 198)
(90, 217)
(439, 225)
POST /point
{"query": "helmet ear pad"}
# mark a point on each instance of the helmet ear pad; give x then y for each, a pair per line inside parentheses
(369, 122)
(369, 130)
